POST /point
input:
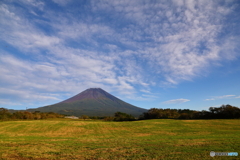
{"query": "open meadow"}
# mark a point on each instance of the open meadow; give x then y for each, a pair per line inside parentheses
(147, 139)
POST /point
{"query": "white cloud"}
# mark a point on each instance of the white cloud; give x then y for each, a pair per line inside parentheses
(221, 97)
(211, 99)
(64, 65)
(178, 2)
(176, 101)
(62, 2)
(150, 96)
(144, 44)
(143, 97)
(49, 77)
(25, 95)
(110, 81)
(8, 102)
(190, 5)
(188, 44)
(146, 91)
(24, 35)
(225, 96)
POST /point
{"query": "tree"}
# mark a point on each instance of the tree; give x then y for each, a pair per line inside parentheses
(184, 116)
(155, 113)
(119, 116)
(4, 114)
(108, 118)
(228, 111)
(84, 117)
(28, 115)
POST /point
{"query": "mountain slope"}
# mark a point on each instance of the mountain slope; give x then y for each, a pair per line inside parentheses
(92, 102)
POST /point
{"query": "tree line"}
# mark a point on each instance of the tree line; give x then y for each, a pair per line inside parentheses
(120, 116)
(6, 115)
(222, 112)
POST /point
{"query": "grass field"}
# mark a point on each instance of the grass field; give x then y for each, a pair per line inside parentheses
(148, 139)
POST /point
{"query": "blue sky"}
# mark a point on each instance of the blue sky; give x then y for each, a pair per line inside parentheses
(161, 54)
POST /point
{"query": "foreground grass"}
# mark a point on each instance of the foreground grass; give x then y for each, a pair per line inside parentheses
(149, 139)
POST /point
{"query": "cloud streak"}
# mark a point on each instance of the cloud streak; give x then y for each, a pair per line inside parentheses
(176, 101)
(222, 97)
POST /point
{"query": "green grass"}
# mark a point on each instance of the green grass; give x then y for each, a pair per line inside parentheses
(149, 139)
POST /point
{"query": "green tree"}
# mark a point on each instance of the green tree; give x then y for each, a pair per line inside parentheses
(4, 114)
(119, 116)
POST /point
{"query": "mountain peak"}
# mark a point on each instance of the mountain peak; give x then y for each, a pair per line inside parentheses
(91, 93)
(92, 102)
(94, 89)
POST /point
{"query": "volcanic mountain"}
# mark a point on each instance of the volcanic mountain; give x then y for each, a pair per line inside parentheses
(92, 102)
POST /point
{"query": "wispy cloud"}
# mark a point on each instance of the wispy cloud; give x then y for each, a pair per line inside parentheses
(145, 91)
(63, 64)
(221, 97)
(176, 101)
(28, 95)
(136, 46)
(62, 2)
(211, 99)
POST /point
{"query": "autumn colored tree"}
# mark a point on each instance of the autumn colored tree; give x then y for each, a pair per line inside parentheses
(4, 114)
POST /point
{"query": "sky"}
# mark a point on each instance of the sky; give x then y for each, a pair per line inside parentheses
(178, 54)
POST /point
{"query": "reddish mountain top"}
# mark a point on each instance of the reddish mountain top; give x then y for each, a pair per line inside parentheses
(91, 93)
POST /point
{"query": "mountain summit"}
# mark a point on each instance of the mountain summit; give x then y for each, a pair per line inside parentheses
(92, 102)
(91, 93)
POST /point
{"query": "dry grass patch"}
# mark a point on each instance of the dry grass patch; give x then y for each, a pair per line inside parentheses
(164, 133)
(142, 134)
(192, 142)
(159, 123)
(66, 131)
(110, 128)
(190, 120)
(29, 150)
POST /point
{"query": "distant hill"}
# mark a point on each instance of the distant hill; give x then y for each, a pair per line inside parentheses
(92, 102)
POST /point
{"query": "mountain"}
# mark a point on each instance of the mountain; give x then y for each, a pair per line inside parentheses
(92, 102)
